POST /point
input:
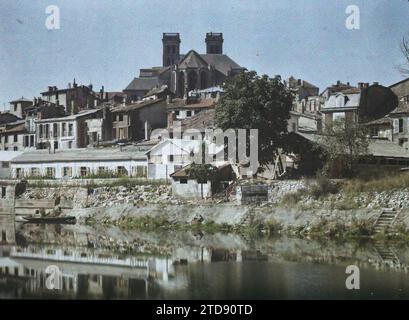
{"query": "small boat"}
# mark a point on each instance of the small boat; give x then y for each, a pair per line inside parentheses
(51, 220)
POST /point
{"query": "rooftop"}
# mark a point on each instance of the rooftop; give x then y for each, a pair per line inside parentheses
(104, 154)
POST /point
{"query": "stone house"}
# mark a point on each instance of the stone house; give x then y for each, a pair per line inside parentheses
(400, 123)
(341, 105)
(401, 88)
(135, 121)
(76, 163)
(74, 98)
(171, 155)
(181, 109)
(18, 106)
(68, 132)
(184, 186)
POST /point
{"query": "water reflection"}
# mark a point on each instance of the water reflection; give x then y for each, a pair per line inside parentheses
(118, 264)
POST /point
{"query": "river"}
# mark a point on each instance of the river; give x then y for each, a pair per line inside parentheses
(82, 262)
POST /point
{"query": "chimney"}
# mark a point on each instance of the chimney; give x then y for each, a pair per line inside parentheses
(50, 88)
(69, 85)
(338, 82)
(74, 84)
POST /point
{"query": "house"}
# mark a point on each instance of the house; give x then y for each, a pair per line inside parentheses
(100, 128)
(180, 109)
(401, 88)
(341, 105)
(302, 90)
(381, 152)
(135, 121)
(182, 73)
(73, 98)
(338, 87)
(76, 163)
(5, 158)
(304, 122)
(381, 128)
(68, 132)
(171, 155)
(186, 186)
(18, 106)
(12, 136)
(400, 123)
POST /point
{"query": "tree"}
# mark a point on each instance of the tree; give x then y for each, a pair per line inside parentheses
(202, 173)
(343, 144)
(256, 102)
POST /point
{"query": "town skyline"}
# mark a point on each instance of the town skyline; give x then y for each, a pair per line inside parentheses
(113, 57)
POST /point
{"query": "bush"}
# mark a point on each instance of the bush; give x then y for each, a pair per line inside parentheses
(322, 187)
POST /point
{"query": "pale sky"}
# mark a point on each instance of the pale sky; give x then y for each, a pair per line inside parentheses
(106, 42)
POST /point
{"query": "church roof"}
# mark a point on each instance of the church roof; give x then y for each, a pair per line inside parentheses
(221, 62)
(144, 84)
(192, 60)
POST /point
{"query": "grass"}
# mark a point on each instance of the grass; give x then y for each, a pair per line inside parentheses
(385, 183)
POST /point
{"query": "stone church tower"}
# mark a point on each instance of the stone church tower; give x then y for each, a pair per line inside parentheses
(214, 43)
(171, 48)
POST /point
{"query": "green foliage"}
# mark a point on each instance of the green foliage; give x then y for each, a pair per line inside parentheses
(386, 183)
(256, 102)
(343, 144)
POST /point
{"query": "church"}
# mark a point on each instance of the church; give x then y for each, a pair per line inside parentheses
(182, 73)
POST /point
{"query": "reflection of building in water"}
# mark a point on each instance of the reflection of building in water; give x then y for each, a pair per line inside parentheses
(85, 272)
(7, 230)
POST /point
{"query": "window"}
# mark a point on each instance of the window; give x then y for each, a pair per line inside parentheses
(55, 130)
(3, 192)
(183, 181)
(15, 148)
(15, 138)
(70, 129)
(3, 236)
(170, 158)
(122, 171)
(64, 129)
(400, 125)
(26, 142)
(188, 113)
(50, 172)
(83, 171)
(35, 172)
(374, 132)
(120, 117)
(6, 139)
(41, 130)
(69, 144)
(177, 112)
(67, 172)
(19, 173)
(55, 144)
(102, 170)
(32, 141)
(47, 130)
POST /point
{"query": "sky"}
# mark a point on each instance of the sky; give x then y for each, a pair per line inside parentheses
(106, 42)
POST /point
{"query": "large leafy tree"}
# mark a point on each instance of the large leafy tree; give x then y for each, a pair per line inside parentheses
(256, 102)
(343, 144)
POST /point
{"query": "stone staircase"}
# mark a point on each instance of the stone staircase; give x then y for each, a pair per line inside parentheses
(387, 254)
(386, 220)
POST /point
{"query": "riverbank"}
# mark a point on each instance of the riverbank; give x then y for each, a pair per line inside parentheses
(318, 208)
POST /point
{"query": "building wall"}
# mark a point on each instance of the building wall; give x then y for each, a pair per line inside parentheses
(191, 189)
(7, 142)
(41, 169)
